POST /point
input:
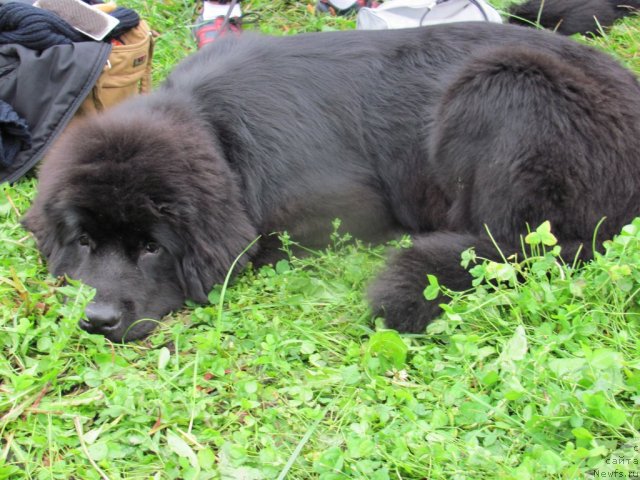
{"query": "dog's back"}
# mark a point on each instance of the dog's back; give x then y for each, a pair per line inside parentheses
(353, 102)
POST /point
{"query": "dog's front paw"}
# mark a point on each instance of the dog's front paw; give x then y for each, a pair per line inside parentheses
(402, 303)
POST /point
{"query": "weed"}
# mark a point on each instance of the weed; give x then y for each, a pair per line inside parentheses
(534, 373)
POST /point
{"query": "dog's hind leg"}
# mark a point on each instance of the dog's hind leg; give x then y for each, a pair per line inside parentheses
(525, 136)
(397, 294)
(521, 137)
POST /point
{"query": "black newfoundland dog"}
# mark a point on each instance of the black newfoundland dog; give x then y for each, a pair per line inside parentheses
(572, 16)
(435, 132)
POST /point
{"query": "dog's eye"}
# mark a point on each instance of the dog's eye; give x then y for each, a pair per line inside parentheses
(84, 240)
(151, 247)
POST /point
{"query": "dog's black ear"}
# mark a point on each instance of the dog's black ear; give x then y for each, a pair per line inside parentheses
(210, 247)
(207, 263)
(35, 222)
(191, 278)
(208, 216)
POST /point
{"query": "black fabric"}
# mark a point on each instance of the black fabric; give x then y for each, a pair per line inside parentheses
(40, 29)
(59, 78)
(34, 27)
(14, 134)
(43, 57)
(128, 19)
(26, 2)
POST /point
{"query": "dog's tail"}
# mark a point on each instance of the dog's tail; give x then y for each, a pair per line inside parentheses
(572, 16)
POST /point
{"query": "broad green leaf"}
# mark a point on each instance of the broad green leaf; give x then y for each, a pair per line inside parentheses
(330, 461)
(182, 448)
(388, 345)
(164, 355)
(98, 451)
(517, 346)
(614, 416)
(603, 359)
(433, 289)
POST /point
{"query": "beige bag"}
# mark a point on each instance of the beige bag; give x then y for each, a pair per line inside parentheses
(127, 72)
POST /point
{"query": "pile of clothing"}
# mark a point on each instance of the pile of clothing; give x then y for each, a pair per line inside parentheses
(47, 68)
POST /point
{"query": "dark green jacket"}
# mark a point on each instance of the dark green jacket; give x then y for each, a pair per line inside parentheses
(45, 89)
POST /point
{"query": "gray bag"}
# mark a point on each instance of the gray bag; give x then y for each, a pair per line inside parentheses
(419, 13)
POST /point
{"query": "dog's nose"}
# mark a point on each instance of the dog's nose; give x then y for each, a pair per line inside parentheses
(101, 317)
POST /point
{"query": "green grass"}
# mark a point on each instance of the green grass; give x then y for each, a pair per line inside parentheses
(287, 375)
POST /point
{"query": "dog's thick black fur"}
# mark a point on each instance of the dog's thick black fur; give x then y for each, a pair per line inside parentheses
(573, 16)
(433, 132)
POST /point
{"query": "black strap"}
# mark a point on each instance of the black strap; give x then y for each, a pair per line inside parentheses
(473, 2)
(477, 4)
(225, 22)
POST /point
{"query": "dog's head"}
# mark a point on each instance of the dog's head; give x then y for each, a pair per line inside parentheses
(144, 209)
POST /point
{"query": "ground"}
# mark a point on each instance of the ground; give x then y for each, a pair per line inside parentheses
(286, 375)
